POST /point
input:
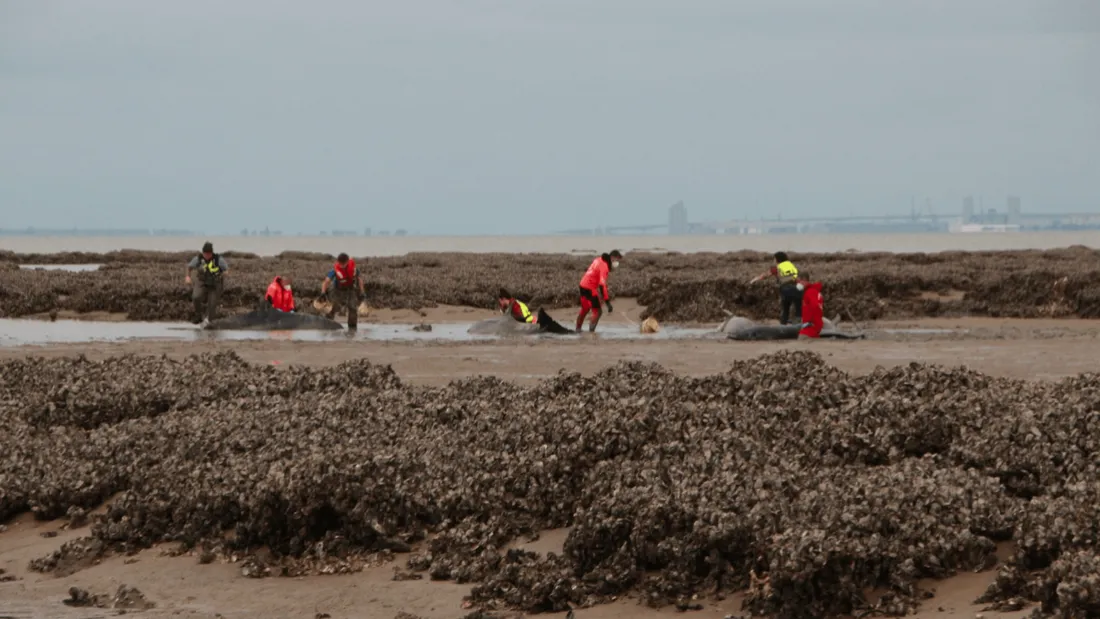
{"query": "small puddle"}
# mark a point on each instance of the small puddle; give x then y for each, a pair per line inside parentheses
(924, 331)
(75, 268)
(19, 332)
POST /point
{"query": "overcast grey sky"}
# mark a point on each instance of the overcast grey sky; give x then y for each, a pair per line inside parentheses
(523, 116)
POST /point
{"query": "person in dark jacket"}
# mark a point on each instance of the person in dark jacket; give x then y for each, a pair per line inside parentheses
(206, 274)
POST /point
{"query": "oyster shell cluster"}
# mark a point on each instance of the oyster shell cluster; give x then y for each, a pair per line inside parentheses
(674, 287)
(125, 599)
(783, 477)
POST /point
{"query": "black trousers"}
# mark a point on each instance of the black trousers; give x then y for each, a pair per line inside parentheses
(789, 295)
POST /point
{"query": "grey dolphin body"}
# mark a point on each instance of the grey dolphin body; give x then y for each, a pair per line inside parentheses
(743, 329)
(267, 319)
(506, 325)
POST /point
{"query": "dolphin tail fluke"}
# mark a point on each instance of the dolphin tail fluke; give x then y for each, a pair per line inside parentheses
(549, 325)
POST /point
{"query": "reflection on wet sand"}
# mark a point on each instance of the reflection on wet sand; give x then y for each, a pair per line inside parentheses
(18, 332)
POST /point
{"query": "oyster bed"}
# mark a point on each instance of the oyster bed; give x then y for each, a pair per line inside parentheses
(673, 287)
(783, 476)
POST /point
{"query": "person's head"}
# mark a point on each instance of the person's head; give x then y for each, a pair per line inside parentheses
(342, 258)
(804, 277)
(615, 256)
(504, 298)
(781, 256)
(207, 250)
(285, 281)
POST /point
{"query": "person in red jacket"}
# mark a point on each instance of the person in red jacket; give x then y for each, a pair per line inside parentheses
(347, 289)
(279, 295)
(813, 307)
(594, 288)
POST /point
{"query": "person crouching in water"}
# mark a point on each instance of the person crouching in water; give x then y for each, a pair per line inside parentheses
(786, 274)
(594, 288)
(279, 296)
(347, 289)
(813, 307)
(509, 304)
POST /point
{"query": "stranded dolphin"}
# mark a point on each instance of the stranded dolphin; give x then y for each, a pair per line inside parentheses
(506, 325)
(738, 328)
(267, 319)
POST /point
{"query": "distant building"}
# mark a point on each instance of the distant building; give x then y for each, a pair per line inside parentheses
(968, 209)
(678, 219)
(1013, 209)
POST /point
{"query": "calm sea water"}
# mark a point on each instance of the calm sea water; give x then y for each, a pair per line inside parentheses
(392, 246)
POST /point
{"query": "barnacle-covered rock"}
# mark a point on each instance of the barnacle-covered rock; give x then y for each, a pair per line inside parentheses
(130, 598)
(80, 597)
(782, 477)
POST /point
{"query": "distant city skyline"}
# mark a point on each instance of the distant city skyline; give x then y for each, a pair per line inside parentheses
(922, 218)
(947, 208)
(500, 118)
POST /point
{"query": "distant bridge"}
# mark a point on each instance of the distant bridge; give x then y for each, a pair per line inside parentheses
(756, 226)
(612, 230)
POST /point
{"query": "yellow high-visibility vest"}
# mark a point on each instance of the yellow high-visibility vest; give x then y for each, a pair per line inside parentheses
(527, 317)
(787, 271)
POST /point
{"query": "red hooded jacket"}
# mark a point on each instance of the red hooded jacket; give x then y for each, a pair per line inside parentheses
(595, 278)
(280, 297)
(813, 309)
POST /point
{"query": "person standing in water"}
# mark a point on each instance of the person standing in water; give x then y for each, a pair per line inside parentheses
(594, 288)
(348, 289)
(206, 274)
(786, 275)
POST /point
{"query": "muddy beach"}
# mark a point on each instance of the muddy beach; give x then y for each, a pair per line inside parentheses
(699, 287)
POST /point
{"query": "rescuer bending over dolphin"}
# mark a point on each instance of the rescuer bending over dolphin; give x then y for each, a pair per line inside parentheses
(786, 275)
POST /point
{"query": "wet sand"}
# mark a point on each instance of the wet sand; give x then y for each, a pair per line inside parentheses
(1042, 349)
(180, 587)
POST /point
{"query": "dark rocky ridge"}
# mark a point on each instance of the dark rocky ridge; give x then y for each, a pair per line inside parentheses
(673, 287)
(783, 475)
